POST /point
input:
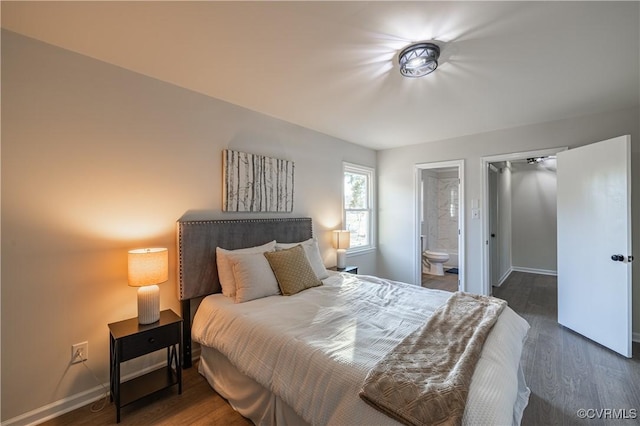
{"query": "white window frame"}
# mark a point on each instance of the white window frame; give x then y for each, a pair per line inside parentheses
(371, 176)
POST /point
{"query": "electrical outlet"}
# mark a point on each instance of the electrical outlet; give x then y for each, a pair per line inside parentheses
(79, 352)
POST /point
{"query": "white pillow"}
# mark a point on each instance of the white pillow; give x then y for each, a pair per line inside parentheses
(253, 276)
(312, 251)
(225, 273)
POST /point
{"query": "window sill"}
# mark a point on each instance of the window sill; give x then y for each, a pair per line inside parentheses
(361, 251)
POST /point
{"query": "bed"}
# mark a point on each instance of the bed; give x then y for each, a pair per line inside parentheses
(303, 359)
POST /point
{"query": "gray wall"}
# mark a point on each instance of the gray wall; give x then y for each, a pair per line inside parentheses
(396, 173)
(533, 220)
(504, 221)
(97, 160)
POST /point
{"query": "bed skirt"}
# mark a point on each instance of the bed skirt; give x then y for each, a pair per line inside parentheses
(263, 408)
(244, 394)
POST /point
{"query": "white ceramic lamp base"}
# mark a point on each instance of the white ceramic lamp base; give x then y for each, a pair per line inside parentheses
(148, 304)
(341, 258)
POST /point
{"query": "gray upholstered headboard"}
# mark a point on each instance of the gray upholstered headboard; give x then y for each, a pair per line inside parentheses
(198, 239)
(197, 242)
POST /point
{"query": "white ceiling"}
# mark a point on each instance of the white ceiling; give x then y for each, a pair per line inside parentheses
(332, 66)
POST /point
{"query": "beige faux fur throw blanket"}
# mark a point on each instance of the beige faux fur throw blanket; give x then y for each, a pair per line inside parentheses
(425, 379)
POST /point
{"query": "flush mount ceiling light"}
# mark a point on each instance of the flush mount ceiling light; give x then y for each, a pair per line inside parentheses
(418, 60)
(536, 160)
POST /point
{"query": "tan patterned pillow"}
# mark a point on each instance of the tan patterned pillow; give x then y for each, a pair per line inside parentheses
(292, 270)
(312, 251)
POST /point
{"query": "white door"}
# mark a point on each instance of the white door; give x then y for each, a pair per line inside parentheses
(594, 242)
(493, 224)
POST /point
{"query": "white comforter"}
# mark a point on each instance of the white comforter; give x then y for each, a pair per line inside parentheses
(315, 348)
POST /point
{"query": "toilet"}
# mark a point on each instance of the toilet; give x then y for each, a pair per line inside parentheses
(435, 260)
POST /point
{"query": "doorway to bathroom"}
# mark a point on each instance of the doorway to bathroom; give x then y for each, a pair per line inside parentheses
(439, 232)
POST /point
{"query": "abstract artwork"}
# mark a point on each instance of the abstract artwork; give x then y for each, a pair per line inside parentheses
(255, 183)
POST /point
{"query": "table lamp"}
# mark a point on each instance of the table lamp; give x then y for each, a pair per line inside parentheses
(148, 267)
(341, 241)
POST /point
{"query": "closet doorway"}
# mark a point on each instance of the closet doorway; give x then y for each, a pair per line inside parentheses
(439, 225)
(592, 248)
(519, 229)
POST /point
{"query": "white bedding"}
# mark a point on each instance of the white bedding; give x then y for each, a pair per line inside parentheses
(314, 349)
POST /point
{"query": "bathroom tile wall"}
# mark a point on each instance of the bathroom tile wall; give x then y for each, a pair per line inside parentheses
(430, 224)
(448, 214)
(440, 214)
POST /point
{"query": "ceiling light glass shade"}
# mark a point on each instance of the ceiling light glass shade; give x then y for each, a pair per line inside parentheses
(419, 59)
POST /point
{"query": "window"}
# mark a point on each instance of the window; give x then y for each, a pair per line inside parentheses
(358, 205)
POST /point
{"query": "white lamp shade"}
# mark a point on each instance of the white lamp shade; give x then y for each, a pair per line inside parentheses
(148, 266)
(341, 239)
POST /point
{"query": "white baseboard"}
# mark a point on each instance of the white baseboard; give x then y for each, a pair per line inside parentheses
(504, 277)
(534, 270)
(635, 336)
(70, 403)
(58, 408)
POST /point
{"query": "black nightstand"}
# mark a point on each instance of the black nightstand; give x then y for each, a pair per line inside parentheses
(349, 269)
(128, 340)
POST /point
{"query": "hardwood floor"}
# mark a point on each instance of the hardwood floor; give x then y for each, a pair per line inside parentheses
(447, 282)
(199, 404)
(565, 372)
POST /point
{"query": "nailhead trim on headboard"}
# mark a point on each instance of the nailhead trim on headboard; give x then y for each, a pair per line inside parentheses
(199, 238)
(197, 241)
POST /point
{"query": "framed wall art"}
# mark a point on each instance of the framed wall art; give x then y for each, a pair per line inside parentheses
(255, 183)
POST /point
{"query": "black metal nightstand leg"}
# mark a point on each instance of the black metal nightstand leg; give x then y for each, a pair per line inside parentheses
(128, 340)
(116, 382)
(179, 370)
(111, 360)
